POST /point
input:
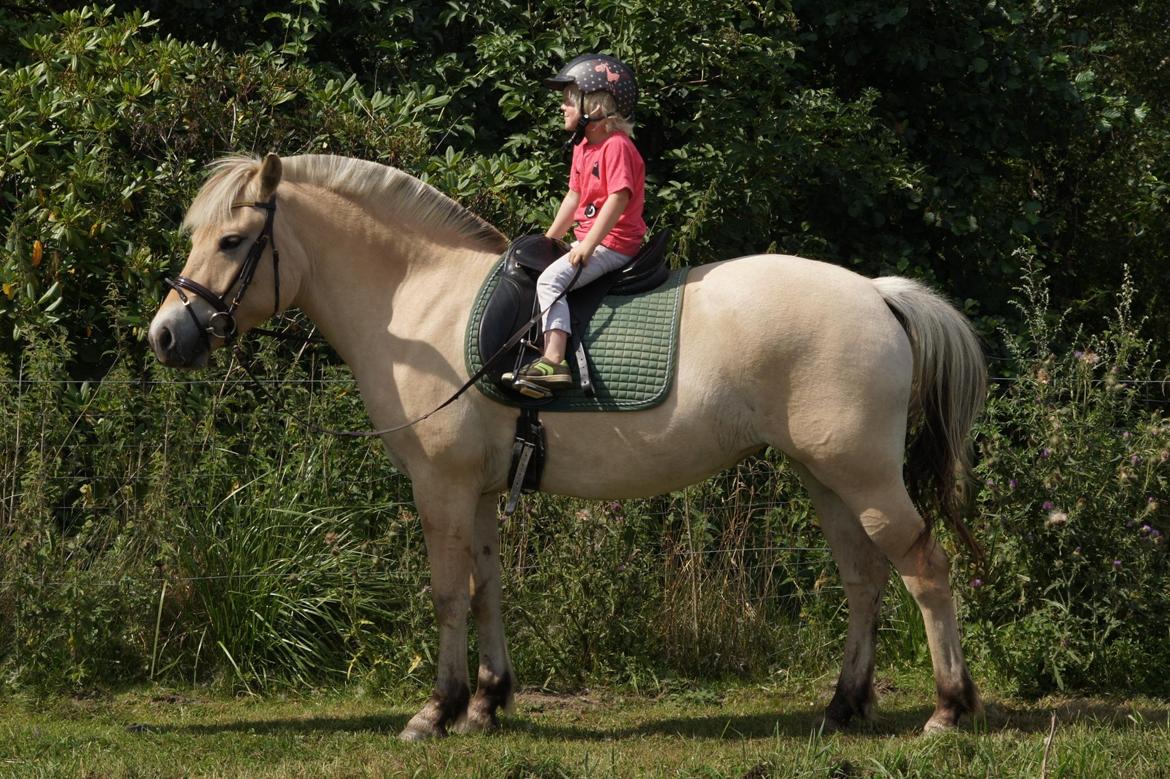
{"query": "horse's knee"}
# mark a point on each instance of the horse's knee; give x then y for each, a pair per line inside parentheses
(891, 522)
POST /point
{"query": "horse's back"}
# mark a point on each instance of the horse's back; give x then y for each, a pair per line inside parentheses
(790, 308)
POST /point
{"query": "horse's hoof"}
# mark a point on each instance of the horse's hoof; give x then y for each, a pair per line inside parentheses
(476, 722)
(941, 722)
(831, 725)
(944, 721)
(420, 729)
(415, 734)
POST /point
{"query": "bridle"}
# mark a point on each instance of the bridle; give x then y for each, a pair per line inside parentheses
(222, 324)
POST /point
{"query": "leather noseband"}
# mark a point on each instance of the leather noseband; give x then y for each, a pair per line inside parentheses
(222, 324)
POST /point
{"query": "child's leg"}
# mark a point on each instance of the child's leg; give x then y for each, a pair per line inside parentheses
(556, 278)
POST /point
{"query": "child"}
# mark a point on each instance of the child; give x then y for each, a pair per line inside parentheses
(605, 197)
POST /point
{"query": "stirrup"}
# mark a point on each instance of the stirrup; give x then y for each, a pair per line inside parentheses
(530, 390)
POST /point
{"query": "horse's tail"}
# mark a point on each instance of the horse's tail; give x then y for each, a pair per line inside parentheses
(949, 388)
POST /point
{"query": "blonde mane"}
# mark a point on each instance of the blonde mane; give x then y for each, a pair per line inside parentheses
(380, 188)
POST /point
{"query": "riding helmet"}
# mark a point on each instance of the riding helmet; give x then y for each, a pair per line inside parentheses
(600, 73)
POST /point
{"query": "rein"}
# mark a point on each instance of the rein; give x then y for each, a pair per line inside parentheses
(222, 324)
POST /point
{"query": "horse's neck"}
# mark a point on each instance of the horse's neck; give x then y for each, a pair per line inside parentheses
(374, 290)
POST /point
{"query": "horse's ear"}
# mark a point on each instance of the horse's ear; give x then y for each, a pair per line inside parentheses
(269, 175)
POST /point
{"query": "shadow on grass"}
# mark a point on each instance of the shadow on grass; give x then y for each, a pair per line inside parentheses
(389, 724)
(901, 722)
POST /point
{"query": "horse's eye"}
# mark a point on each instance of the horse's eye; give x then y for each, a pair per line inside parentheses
(229, 242)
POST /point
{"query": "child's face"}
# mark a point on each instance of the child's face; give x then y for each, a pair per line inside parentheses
(570, 110)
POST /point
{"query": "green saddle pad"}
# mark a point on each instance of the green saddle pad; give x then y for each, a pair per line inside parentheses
(632, 345)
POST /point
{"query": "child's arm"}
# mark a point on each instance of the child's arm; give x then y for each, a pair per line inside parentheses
(607, 217)
(564, 216)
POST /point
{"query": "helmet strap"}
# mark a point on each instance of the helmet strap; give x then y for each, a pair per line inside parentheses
(579, 132)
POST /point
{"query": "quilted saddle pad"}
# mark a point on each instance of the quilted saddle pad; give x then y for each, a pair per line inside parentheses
(632, 344)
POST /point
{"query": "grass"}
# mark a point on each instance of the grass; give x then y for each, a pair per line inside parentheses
(714, 731)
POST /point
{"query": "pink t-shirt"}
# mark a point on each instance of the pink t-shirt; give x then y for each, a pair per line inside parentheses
(599, 170)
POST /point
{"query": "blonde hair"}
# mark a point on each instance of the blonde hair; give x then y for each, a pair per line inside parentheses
(601, 103)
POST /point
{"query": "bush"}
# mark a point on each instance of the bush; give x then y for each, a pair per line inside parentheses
(1076, 474)
(158, 529)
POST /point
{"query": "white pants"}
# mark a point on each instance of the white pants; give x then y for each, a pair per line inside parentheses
(557, 276)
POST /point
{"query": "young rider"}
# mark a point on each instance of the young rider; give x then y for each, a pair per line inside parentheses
(605, 197)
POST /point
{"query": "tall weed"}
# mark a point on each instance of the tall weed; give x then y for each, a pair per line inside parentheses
(1075, 475)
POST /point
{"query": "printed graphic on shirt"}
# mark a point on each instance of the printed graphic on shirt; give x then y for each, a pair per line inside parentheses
(596, 170)
(590, 210)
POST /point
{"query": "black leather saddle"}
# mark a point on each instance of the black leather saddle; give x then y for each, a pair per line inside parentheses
(513, 304)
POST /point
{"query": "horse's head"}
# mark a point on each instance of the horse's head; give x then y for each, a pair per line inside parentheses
(231, 280)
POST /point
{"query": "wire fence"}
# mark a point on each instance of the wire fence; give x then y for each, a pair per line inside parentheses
(123, 488)
(88, 494)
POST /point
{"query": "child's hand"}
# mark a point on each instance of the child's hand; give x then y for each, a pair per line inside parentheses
(579, 255)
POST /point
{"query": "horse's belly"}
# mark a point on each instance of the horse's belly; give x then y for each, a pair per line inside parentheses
(644, 453)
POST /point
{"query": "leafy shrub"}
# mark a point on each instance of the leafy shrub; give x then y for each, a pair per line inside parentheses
(1076, 469)
(181, 530)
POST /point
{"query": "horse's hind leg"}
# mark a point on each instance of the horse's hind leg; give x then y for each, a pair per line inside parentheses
(892, 522)
(864, 573)
(496, 679)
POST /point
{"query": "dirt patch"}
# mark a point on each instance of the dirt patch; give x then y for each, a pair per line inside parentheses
(534, 701)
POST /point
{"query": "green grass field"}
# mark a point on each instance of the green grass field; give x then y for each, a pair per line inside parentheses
(735, 731)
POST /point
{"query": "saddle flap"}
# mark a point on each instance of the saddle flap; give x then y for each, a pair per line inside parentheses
(508, 308)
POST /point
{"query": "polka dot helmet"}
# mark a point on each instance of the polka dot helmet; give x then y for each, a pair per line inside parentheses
(600, 73)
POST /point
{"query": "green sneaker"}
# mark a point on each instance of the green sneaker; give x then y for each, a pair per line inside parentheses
(544, 373)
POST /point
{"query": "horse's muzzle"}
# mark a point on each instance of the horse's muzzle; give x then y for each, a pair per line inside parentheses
(176, 341)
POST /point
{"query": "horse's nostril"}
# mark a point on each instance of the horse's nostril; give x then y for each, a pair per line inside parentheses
(165, 339)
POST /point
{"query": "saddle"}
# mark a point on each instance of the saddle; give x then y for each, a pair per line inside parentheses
(513, 303)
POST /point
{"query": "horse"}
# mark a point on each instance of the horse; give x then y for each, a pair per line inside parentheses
(835, 370)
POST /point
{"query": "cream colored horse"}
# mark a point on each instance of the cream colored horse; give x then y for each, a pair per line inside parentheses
(812, 359)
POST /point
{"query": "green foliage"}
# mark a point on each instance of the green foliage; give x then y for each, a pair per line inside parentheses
(1076, 472)
(890, 138)
(105, 135)
(178, 531)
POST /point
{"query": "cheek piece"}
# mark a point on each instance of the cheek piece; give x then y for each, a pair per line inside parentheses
(222, 324)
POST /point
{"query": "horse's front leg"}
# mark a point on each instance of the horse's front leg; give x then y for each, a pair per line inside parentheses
(496, 679)
(448, 527)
